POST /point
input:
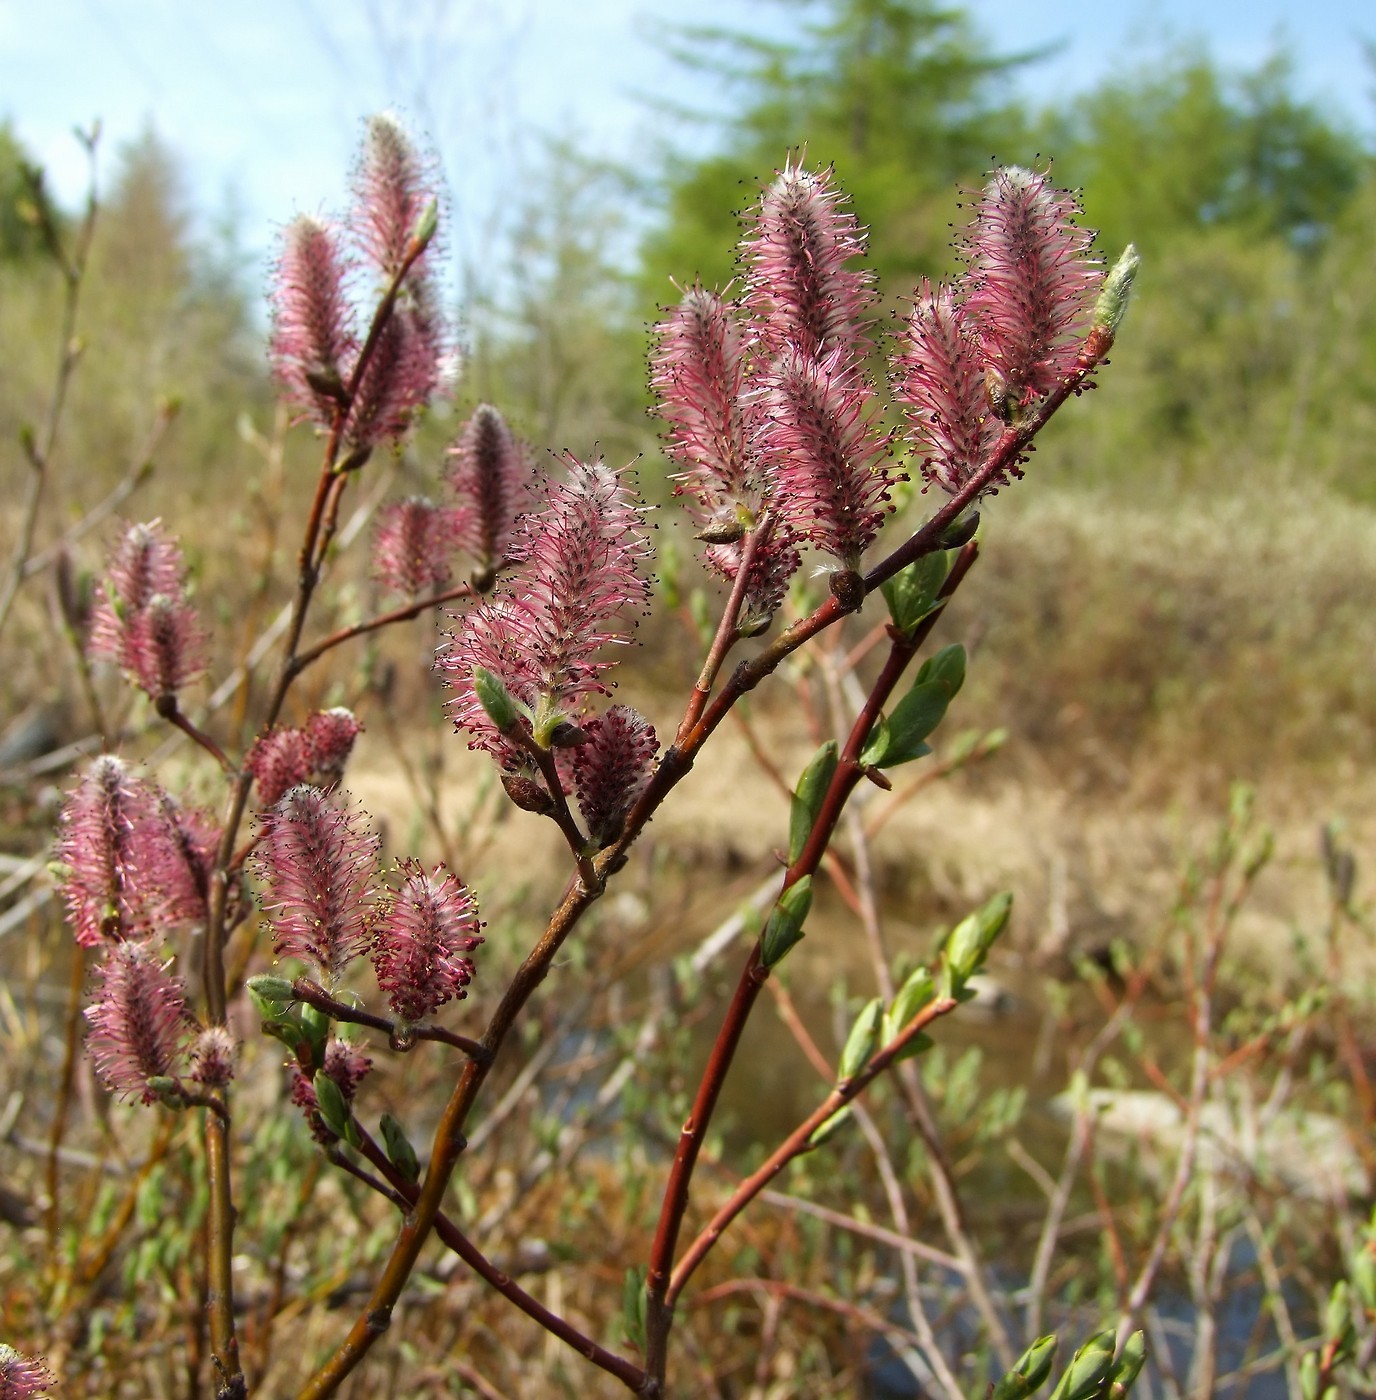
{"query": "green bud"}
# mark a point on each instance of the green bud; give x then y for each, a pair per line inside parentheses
(168, 1090)
(972, 938)
(807, 799)
(1337, 1317)
(330, 1104)
(633, 1306)
(861, 1040)
(1363, 1272)
(1088, 1369)
(429, 222)
(270, 995)
(399, 1150)
(497, 701)
(1309, 1376)
(1029, 1372)
(784, 927)
(1128, 1366)
(911, 997)
(1112, 305)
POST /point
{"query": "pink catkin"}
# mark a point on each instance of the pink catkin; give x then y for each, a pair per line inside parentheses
(413, 547)
(491, 477)
(130, 857)
(940, 378)
(142, 620)
(422, 940)
(800, 285)
(399, 377)
(542, 632)
(820, 451)
(612, 768)
(317, 862)
(139, 1022)
(314, 338)
(698, 373)
(1032, 281)
(393, 185)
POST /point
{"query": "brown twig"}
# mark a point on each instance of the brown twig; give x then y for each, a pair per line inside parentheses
(398, 1037)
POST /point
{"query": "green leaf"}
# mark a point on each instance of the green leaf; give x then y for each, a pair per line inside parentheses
(807, 799)
(399, 1150)
(911, 997)
(917, 714)
(784, 928)
(1029, 1371)
(861, 1041)
(912, 592)
(971, 939)
(824, 1132)
(315, 1025)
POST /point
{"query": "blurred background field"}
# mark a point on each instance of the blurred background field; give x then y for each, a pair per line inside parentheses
(1178, 596)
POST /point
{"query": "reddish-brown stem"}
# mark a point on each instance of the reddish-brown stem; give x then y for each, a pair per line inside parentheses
(659, 1291)
(167, 707)
(798, 1141)
(360, 629)
(403, 1193)
(726, 634)
(399, 1037)
(448, 1145)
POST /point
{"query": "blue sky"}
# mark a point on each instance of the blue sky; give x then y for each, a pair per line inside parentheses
(263, 98)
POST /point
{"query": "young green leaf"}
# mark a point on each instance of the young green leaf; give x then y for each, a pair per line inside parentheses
(785, 924)
(917, 714)
(807, 799)
(912, 592)
(399, 1150)
(861, 1041)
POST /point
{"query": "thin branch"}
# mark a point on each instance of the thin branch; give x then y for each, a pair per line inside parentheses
(399, 1037)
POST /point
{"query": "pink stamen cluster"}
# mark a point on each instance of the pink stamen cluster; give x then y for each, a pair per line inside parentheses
(491, 475)
(139, 1022)
(130, 858)
(611, 768)
(142, 620)
(315, 755)
(318, 346)
(413, 547)
(421, 941)
(317, 861)
(491, 480)
(977, 355)
(542, 633)
(21, 1377)
(767, 399)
